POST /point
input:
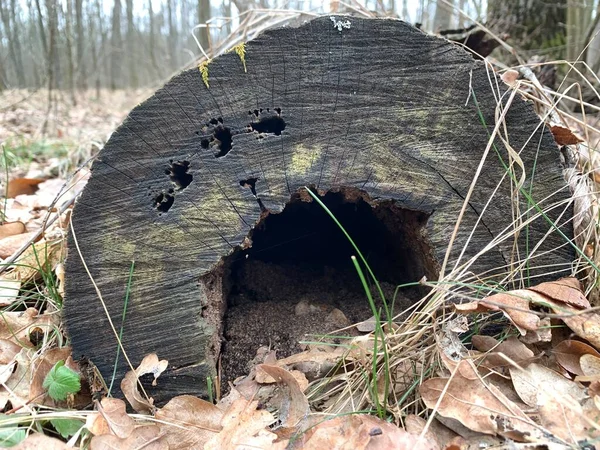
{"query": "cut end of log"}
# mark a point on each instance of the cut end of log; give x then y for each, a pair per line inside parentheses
(202, 185)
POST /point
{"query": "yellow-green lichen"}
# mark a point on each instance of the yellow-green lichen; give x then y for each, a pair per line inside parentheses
(303, 158)
(203, 68)
(240, 50)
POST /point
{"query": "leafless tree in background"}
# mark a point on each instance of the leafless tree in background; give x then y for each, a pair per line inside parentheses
(68, 44)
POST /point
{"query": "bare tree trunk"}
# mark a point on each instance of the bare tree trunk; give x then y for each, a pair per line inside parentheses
(16, 36)
(41, 29)
(81, 69)
(532, 24)
(52, 27)
(227, 13)
(173, 56)
(103, 46)
(442, 19)
(203, 17)
(115, 66)
(69, 42)
(461, 18)
(2, 72)
(32, 63)
(133, 78)
(152, 40)
(579, 15)
(14, 47)
(94, 51)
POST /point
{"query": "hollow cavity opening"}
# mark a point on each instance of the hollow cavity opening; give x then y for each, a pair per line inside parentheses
(296, 282)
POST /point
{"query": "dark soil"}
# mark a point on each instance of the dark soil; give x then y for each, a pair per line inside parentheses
(281, 306)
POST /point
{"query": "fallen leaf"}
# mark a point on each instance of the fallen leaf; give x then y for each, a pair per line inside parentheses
(150, 364)
(11, 229)
(113, 411)
(568, 353)
(534, 380)
(22, 186)
(8, 350)
(564, 136)
(37, 257)
(11, 244)
(594, 390)
(564, 417)
(542, 334)
(59, 270)
(478, 406)
(15, 326)
(97, 424)
(36, 441)
(463, 366)
(294, 408)
(16, 389)
(510, 77)
(147, 437)
(456, 427)
(584, 324)
(470, 308)
(245, 427)
(264, 378)
(590, 365)
(189, 422)
(502, 353)
(362, 432)
(367, 326)
(515, 305)
(8, 367)
(566, 290)
(415, 426)
(316, 363)
(9, 291)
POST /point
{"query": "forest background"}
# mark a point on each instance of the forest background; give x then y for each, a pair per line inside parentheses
(73, 45)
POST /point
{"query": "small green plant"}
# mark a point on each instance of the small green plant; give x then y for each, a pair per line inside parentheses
(210, 389)
(61, 381)
(11, 436)
(21, 152)
(66, 427)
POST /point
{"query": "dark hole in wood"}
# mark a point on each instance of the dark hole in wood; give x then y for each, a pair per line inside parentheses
(300, 257)
(204, 143)
(163, 202)
(273, 124)
(223, 135)
(178, 174)
(250, 183)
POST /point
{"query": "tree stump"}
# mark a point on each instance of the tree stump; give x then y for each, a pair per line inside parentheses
(383, 121)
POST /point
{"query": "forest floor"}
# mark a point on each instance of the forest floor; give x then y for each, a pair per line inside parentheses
(437, 379)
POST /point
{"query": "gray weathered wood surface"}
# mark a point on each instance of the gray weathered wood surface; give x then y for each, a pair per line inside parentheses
(378, 106)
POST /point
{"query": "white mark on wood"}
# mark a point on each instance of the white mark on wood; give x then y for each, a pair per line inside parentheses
(340, 24)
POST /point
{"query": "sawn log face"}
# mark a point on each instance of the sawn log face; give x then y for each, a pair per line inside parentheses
(378, 106)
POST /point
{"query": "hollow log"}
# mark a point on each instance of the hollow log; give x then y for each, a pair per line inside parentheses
(386, 124)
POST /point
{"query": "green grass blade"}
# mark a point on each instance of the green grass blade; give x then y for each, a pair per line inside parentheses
(125, 303)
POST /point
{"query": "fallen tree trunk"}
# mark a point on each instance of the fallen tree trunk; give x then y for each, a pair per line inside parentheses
(387, 125)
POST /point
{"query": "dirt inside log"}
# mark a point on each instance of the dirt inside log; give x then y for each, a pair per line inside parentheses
(295, 282)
